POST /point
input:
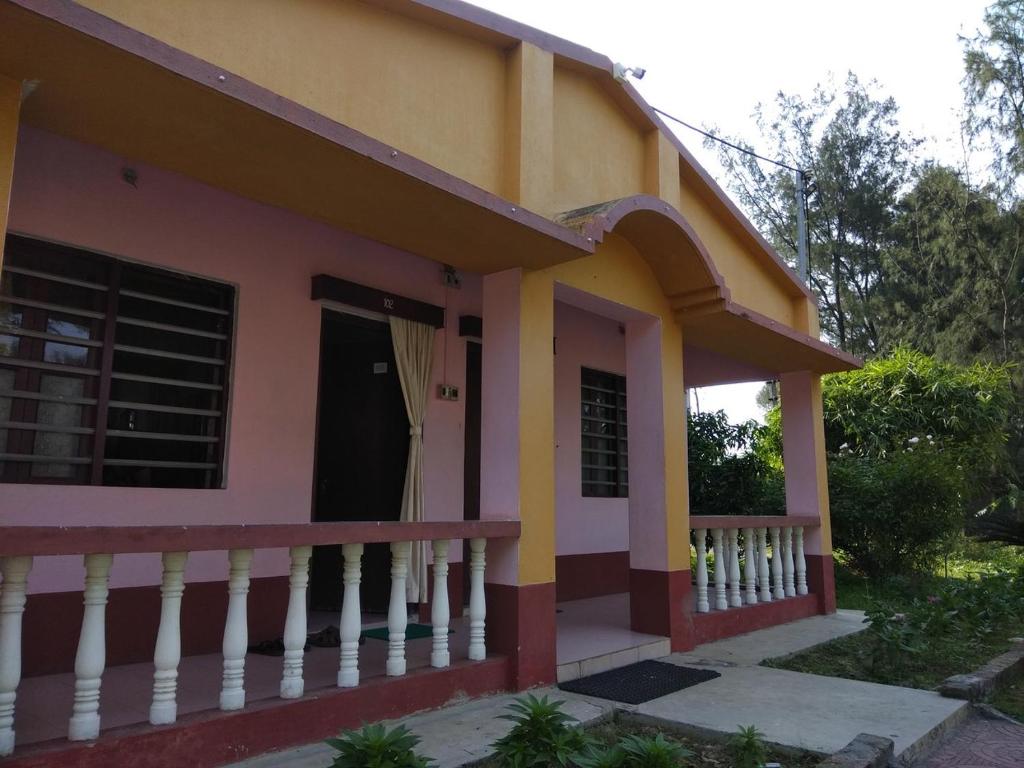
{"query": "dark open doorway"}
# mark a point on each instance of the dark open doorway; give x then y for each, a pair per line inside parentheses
(361, 454)
(471, 460)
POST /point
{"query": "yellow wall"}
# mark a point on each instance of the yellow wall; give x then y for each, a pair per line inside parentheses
(514, 121)
(599, 153)
(750, 282)
(432, 93)
(10, 106)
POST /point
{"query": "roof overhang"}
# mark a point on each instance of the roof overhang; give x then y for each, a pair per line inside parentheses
(102, 83)
(759, 341)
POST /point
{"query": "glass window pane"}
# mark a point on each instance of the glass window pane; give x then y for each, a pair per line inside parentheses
(62, 415)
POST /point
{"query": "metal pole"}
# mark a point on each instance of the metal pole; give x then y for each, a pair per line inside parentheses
(801, 227)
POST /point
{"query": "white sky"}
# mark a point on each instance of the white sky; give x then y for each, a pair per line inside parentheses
(711, 63)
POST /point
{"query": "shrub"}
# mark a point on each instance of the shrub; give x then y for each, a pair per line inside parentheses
(374, 746)
(916, 446)
(890, 515)
(597, 757)
(728, 474)
(541, 736)
(653, 752)
(747, 748)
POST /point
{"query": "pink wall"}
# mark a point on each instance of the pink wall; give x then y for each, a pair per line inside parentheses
(583, 525)
(73, 193)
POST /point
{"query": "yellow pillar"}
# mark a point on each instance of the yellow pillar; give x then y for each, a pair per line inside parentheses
(529, 129)
(661, 168)
(10, 107)
(517, 469)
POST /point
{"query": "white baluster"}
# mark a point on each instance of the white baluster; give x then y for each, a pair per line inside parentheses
(351, 617)
(749, 566)
(735, 601)
(91, 657)
(398, 610)
(167, 655)
(292, 684)
(801, 563)
(236, 630)
(477, 604)
(777, 591)
(12, 605)
(701, 541)
(721, 603)
(762, 566)
(787, 562)
(440, 614)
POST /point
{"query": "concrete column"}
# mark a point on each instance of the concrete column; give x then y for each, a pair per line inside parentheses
(10, 107)
(529, 129)
(659, 549)
(803, 447)
(517, 470)
(661, 168)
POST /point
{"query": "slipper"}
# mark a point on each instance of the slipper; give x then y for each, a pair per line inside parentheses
(328, 637)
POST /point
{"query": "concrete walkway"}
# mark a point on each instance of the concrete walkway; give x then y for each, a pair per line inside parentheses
(808, 711)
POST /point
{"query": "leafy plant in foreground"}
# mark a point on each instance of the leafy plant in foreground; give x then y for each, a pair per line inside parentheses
(747, 748)
(542, 735)
(653, 752)
(596, 757)
(373, 746)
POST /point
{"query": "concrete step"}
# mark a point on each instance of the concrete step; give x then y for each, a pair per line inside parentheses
(573, 670)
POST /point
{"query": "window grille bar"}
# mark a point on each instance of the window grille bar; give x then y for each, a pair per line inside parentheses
(158, 464)
(54, 278)
(21, 394)
(163, 408)
(69, 369)
(17, 330)
(162, 436)
(169, 355)
(32, 426)
(173, 302)
(62, 308)
(137, 321)
(169, 382)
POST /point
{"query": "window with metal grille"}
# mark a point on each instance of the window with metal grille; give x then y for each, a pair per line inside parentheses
(111, 373)
(603, 425)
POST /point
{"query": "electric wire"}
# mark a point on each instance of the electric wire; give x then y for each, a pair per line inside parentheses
(720, 140)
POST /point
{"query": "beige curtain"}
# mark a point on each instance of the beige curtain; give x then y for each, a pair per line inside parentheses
(414, 343)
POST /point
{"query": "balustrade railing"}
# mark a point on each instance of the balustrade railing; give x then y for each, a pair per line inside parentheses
(770, 550)
(98, 546)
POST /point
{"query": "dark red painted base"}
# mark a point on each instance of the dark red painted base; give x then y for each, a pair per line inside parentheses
(51, 621)
(215, 738)
(716, 625)
(821, 580)
(657, 605)
(578, 577)
(521, 625)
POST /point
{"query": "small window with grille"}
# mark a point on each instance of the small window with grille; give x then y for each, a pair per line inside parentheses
(603, 425)
(111, 373)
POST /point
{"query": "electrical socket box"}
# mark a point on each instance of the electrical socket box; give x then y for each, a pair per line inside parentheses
(449, 392)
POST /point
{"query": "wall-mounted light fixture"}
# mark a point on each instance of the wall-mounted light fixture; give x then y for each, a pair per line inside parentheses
(620, 71)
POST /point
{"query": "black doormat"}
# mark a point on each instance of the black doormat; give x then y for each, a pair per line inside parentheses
(639, 682)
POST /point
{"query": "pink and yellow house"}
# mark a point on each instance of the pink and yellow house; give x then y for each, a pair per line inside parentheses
(367, 315)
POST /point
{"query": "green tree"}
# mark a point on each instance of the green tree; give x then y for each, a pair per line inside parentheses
(994, 85)
(916, 446)
(858, 159)
(728, 473)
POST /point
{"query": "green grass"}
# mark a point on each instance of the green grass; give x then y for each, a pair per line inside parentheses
(861, 656)
(854, 657)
